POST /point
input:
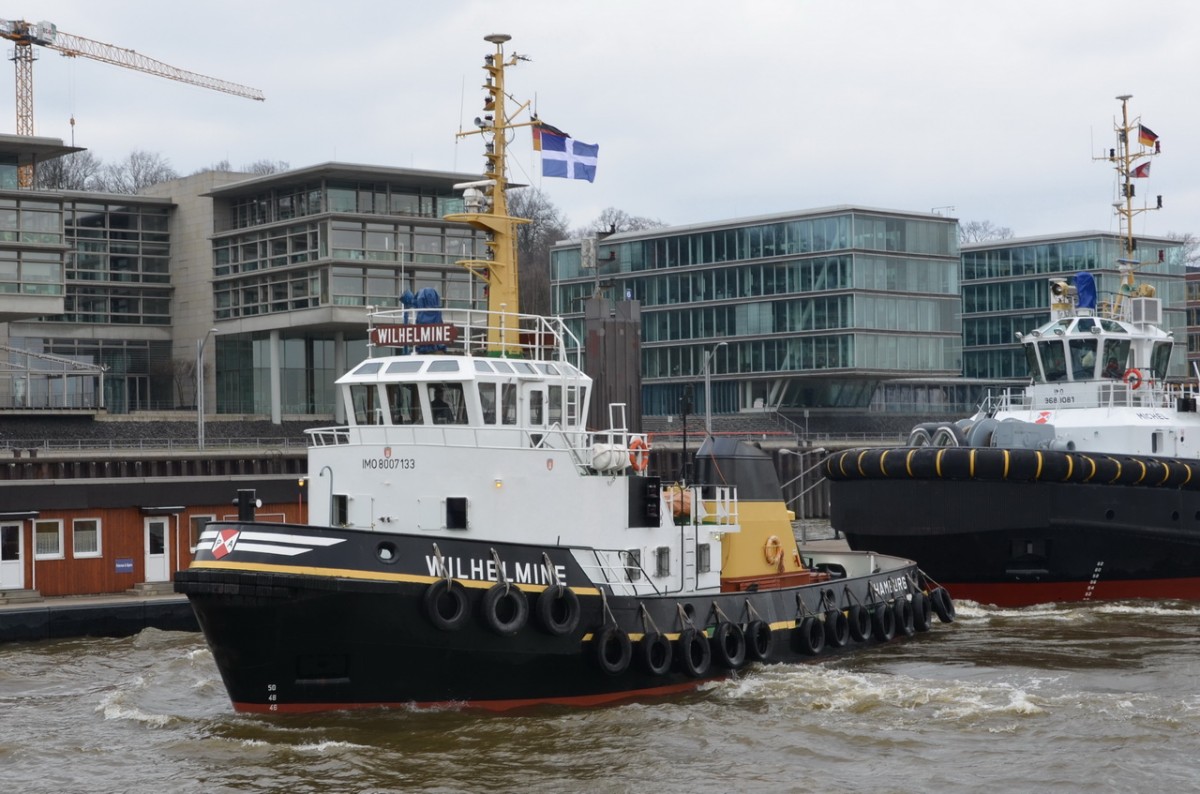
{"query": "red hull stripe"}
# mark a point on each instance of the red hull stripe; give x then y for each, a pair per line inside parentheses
(486, 705)
(1022, 594)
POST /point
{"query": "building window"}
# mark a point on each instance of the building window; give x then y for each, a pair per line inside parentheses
(48, 540)
(196, 525)
(85, 537)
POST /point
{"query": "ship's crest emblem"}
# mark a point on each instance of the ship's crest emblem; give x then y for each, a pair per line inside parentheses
(224, 543)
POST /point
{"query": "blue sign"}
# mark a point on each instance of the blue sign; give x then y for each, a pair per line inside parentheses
(124, 565)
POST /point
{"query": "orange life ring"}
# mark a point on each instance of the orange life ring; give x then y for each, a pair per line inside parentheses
(773, 550)
(639, 455)
(1133, 377)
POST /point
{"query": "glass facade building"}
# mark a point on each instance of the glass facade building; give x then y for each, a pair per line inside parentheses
(809, 309)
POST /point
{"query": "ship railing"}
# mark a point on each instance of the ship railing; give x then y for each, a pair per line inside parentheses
(474, 333)
(327, 436)
(715, 507)
(622, 571)
(1109, 394)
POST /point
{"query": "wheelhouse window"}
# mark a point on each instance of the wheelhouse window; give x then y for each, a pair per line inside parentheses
(405, 403)
(447, 404)
(366, 404)
(85, 537)
(487, 401)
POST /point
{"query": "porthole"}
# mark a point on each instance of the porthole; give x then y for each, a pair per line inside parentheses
(1110, 515)
(386, 552)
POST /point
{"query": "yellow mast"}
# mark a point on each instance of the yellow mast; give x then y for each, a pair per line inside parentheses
(1124, 159)
(487, 205)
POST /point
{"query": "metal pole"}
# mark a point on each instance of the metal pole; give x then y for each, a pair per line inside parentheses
(708, 387)
(200, 392)
(200, 343)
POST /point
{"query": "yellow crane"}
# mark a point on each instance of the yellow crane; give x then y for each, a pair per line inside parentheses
(45, 34)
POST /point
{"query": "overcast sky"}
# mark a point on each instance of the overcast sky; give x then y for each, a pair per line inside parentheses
(987, 111)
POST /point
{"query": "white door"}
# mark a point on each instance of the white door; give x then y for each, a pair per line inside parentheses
(158, 550)
(12, 569)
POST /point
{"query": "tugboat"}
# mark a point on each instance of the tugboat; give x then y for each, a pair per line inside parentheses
(473, 544)
(1082, 486)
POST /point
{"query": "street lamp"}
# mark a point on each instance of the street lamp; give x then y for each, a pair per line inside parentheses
(200, 343)
(708, 387)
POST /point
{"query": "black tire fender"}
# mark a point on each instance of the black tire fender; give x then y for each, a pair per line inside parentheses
(446, 604)
(837, 628)
(883, 622)
(759, 640)
(860, 623)
(505, 609)
(729, 645)
(695, 655)
(558, 610)
(655, 653)
(613, 650)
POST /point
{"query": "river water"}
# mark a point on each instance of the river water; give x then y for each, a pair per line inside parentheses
(1080, 698)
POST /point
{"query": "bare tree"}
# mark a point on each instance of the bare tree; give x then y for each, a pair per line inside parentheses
(75, 171)
(534, 241)
(264, 167)
(981, 231)
(140, 169)
(615, 220)
(1189, 244)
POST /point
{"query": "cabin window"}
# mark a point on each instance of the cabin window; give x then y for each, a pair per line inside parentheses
(85, 537)
(447, 405)
(366, 405)
(48, 540)
(662, 561)
(196, 525)
(508, 402)
(369, 368)
(1031, 360)
(555, 406)
(536, 412)
(703, 557)
(403, 367)
(633, 564)
(340, 510)
(404, 403)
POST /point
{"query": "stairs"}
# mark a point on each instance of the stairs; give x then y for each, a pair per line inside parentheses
(147, 589)
(20, 596)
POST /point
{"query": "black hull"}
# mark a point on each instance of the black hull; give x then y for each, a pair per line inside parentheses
(1034, 532)
(318, 639)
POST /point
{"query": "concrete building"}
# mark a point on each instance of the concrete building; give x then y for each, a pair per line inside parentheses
(113, 300)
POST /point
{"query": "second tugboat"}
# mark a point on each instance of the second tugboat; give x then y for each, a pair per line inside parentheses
(477, 545)
(1082, 486)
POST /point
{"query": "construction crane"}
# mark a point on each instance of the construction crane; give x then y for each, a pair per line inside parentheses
(24, 35)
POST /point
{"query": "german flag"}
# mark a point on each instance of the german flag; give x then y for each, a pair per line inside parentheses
(1146, 136)
(538, 128)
